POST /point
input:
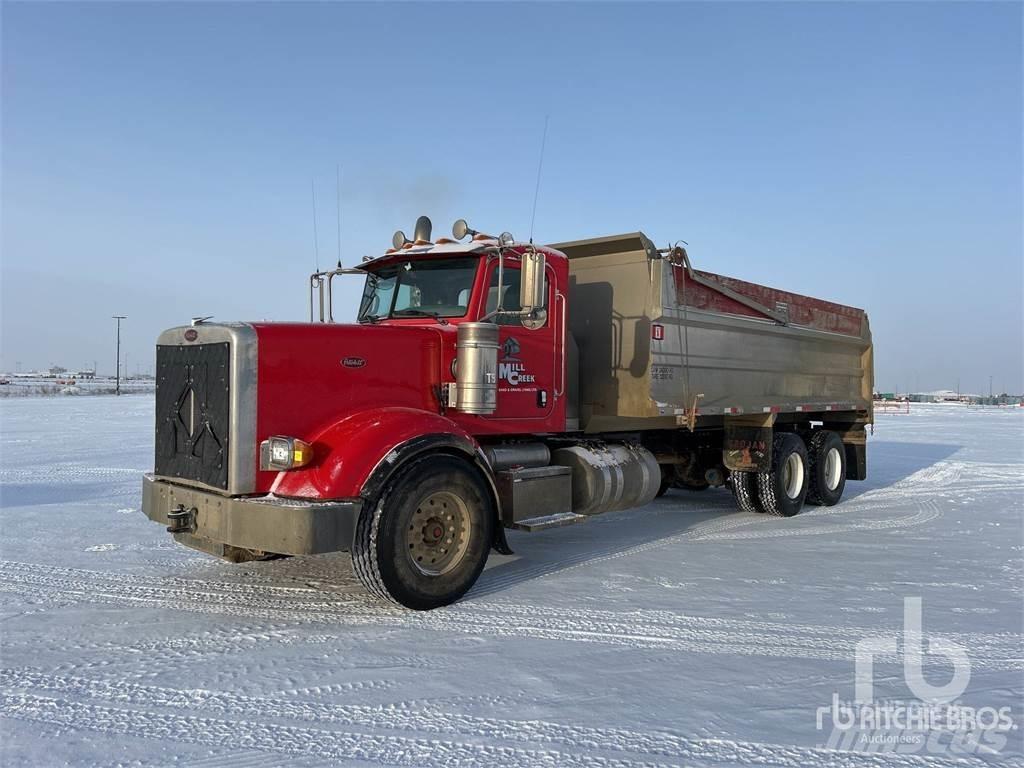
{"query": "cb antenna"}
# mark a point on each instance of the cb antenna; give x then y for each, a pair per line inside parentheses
(540, 165)
(337, 171)
(316, 239)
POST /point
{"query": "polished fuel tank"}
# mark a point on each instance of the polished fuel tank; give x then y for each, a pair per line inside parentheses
(609, 476)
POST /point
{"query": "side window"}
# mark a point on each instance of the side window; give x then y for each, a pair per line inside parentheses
(510, 291)
(510, 294)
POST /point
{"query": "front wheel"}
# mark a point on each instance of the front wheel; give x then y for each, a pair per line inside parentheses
(425, 541)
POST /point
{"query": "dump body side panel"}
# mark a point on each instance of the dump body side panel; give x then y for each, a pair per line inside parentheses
(657, 341)
(743, 363)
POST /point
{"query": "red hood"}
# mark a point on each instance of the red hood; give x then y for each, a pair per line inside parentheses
(313, 375)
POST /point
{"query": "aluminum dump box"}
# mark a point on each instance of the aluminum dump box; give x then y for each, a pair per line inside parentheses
(661, 344)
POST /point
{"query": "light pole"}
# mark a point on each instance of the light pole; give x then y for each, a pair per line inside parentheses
(117, 375)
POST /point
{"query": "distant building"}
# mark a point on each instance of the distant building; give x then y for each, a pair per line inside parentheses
(57, 371)
(949, 396)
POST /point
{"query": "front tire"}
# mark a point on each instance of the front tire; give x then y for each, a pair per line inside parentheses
(425, 540)
(783, 490)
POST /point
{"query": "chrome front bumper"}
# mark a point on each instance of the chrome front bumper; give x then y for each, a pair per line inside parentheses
(222, 524)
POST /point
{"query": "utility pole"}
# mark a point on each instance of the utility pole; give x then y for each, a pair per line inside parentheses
(117, 375)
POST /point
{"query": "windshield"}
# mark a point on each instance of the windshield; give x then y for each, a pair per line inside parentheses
(424, 287)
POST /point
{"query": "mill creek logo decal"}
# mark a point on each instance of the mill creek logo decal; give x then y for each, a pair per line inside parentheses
(511, 369)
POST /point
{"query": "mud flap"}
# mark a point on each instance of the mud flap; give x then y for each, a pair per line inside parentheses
(855, 442)
(500, 543)
(747, 446)
(856, 461)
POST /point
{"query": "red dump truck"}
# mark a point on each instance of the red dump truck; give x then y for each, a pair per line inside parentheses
(489, 384)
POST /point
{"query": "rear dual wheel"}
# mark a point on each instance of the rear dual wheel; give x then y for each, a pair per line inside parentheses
(814, 472)
(782, 490)
(827, 468)
(744, 490)
(425, 540)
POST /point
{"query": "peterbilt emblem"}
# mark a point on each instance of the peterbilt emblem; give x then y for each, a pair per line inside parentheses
(353, 362)
(191, 334)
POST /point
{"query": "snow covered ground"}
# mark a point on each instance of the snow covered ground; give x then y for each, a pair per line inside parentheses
(685, 633)
(40, 387)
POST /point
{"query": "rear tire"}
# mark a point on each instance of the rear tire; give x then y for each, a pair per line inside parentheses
(826, 459)
(783, 490)
(744, 490)
(425, 540)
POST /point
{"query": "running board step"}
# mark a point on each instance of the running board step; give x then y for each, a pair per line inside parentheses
(548, 521)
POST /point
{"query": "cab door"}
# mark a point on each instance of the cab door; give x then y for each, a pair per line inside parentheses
(526, 357)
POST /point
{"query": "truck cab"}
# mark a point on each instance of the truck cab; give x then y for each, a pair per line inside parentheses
(442, 286)
(272, 438)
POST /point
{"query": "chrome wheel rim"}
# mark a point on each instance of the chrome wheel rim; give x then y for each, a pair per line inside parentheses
(833, 468)
(437, 535)
(793, 475)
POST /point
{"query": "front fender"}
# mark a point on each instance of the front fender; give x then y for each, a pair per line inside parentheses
(355, 456)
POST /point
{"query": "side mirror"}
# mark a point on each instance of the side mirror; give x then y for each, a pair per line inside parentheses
(531, 285)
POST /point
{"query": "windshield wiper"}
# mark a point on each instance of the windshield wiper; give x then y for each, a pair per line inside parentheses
(419, 312)
(370, 319)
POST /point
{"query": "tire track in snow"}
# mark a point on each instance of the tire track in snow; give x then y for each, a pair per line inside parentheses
(933, 480)
(679, 632)
(929, 510)
(330, 745)
(68, 472)
(495, 581)
(764, 527)
(532, 741)
(670, 620)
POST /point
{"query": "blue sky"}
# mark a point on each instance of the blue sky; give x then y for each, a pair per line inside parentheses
(157, 159)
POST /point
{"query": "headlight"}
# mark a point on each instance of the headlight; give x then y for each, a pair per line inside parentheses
(281, 453)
